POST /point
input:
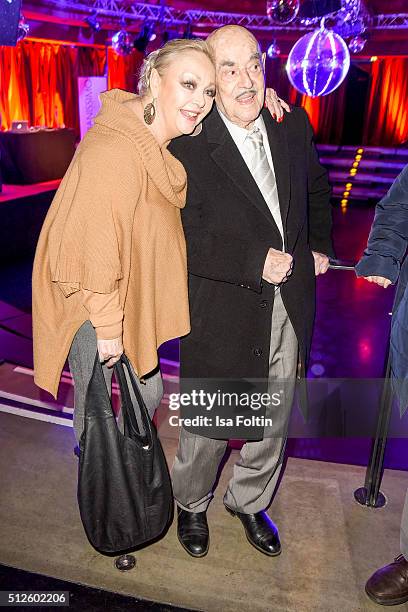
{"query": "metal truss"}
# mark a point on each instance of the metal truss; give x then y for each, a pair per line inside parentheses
(389, 22)
(169, 16)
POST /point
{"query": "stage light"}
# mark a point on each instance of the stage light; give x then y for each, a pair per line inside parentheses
(349, 185)
(344, 202)
(373, 58)
(358, 157)
(92, 21)
(152, 31)
(273, 50)
(23, 28)
(346, 194)
(142, 40)
(359, 151)
(122, 43)
(318, 63)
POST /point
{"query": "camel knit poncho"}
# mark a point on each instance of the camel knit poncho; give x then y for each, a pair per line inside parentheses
(114, 223)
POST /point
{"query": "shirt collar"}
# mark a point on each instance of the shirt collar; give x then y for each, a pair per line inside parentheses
(238, 133)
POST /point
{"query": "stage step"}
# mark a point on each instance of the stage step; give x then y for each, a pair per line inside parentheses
(376, 171)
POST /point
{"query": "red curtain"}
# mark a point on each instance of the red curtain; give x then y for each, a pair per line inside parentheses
(387, 108)
(14, 102)
(39, 80)
(123, 71)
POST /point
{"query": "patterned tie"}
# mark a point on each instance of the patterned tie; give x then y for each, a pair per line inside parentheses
(263, 174)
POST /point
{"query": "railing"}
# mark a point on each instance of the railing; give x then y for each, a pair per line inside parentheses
(370, 494)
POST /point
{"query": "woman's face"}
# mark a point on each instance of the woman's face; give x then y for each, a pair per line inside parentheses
(185, 92)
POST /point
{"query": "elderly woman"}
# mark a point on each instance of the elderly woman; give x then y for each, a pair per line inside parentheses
(110, 267)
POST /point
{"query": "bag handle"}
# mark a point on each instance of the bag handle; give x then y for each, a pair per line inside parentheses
(129, 417)
(97, 393)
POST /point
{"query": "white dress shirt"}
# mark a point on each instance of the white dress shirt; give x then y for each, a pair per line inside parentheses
(239, 135)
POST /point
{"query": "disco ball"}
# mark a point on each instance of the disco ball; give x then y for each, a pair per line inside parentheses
(282, 11)
(352, 7)
(23, 28)
(122, 43)
(318, 63)
(273, 50)
(357, 44)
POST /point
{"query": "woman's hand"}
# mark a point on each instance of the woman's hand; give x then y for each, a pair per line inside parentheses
(110, 351)
(275, 105)
(379, 280)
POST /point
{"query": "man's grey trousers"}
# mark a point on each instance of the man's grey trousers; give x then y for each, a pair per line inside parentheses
(257, 470)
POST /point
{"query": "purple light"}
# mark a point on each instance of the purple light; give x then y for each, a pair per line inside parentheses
(318, 63)
(122, 43)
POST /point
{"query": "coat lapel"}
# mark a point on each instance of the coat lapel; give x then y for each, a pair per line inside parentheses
(229, 159)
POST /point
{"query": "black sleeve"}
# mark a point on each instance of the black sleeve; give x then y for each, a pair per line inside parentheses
(216, 255)
(319, 192)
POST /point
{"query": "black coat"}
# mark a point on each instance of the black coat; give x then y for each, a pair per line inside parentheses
(229, 230)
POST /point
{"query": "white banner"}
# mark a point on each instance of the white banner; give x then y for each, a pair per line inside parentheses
(89, 89)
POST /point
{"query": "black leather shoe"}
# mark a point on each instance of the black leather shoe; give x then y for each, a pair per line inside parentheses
(192, 532)
(388, 586)
(260, 532)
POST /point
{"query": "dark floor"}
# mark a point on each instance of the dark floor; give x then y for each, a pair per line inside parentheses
(81, 597)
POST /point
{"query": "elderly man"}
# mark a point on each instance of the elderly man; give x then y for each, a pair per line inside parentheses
(257, 224)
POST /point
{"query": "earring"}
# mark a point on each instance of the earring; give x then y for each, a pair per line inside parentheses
(149, 113)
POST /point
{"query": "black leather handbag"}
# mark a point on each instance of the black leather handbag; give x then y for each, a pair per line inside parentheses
(124, 489)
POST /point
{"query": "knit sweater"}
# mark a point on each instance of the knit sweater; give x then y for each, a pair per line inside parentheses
(114, 223)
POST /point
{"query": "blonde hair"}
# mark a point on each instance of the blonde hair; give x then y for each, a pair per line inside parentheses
(161, 58)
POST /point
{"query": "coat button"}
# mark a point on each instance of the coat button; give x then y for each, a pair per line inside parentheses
(257, 352)
(263, 304)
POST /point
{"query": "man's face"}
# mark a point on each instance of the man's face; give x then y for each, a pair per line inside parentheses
(240, 77)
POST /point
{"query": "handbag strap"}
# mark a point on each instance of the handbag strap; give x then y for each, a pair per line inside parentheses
(97, 400)
(128, 411)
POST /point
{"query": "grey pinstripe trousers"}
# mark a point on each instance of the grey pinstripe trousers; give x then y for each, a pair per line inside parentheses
(257, 470)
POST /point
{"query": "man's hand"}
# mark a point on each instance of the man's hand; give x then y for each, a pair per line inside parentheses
(275, 105)
(321, 263)
(278, 267)
(110, 351)
(379, 280)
